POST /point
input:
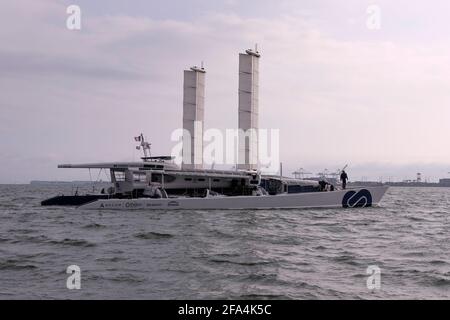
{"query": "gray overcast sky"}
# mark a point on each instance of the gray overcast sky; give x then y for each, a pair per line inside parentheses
(339, 92)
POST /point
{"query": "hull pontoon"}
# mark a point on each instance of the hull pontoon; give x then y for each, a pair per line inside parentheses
(358, 197)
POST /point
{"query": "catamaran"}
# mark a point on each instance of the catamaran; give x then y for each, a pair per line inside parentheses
(159, 183)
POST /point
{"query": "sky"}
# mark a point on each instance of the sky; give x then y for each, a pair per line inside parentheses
(339, 91)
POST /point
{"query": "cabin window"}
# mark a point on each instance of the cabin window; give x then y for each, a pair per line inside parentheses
(119, 175)
(187, 179)
(201, 179)
(169, 178)
(139, 176)
(216, 180)
(156, 178)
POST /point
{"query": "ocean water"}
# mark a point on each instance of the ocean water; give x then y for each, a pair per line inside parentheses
(268, 254)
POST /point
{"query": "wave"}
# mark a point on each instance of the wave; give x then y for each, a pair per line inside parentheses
(12, 264)
(73, 242)
(111, 259)
(153, 235)
(436, 280)
(241, 263)
(94, 226)
(129, 278)
(262, 296)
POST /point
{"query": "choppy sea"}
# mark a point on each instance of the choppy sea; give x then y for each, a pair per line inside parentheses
(267, 254)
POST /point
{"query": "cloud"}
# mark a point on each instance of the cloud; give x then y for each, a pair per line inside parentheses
(72, 96)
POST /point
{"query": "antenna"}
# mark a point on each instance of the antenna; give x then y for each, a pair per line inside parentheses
(144, 145)
(202, 65)
(256, 47)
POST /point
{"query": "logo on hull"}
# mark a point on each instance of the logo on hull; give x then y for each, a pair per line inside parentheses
(353, 199)
(173, 204)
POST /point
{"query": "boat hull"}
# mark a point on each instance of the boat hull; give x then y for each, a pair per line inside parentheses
(72, 200)
(357, 197)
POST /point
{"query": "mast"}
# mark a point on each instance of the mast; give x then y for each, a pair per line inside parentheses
(248, 107)
(193, 117)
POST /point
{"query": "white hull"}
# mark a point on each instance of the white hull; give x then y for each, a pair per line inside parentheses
(357, 197)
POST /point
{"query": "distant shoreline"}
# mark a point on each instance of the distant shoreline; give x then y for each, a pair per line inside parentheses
(75, 182)
(350, 184)
(400, 184)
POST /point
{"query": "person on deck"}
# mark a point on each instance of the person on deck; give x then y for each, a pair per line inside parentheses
(344, 179)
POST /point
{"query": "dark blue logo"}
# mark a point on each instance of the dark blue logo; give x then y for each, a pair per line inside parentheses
(353, 199)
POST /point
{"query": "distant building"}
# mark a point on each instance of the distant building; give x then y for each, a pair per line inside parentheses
(444, 182)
